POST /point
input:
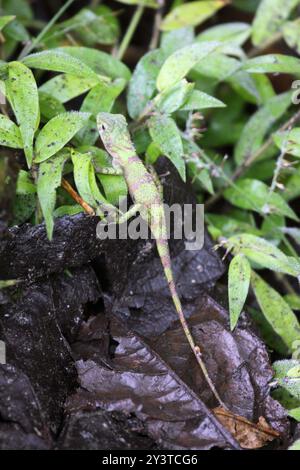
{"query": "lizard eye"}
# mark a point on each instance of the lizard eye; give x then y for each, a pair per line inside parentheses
(103, 127)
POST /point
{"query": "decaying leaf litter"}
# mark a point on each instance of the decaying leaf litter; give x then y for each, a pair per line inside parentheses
(98, 336)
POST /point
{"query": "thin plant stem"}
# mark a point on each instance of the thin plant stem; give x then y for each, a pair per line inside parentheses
(130, 31)
(156, 27)
(31, 46)
(74, 195)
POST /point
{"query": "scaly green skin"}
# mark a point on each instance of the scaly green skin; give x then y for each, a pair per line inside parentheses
(144, 192)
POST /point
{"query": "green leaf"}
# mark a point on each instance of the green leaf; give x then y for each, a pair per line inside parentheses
(200, 100)
(289, 141)
(25, 200)
(239, 275)
(287, 373)
(84, 176)
(100, 98)
(295, 445)
(291, 34)
(231, 33)
(273, 63)
(49, 179)
(57, 132)
(4, 20)
(259, 124)
(22, 93)
(58, 60)
(191, 14)
(66, 87)
(166, 136)
(293, 300)
(100, 62)
(10, 135)
(269, 18)
(295, 413)
(173, 98)
(146, 3)
(171, 41)
(262, 253)
(50, 106)
(142, 85)
(255, 195)
(178, 65)
(276, 311)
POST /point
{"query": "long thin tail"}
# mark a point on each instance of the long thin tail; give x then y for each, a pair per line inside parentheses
(164, 253)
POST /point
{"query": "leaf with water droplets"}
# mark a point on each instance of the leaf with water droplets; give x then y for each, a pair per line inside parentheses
(239, 275)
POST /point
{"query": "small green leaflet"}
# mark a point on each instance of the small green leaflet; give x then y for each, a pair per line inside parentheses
(289, 141)
(57, 60)
(238, 285)
(231, 33)
(142, 85)
(165, 134)
(291, 34)
(273, 63)
(173, 98)
(191, 14)
(263, 253)
(146, 3)
(255, 195)
(22, 93)
(171, 41)
(49, 179)
(276, 311)
(100, 62)
(25, 200)
(295, 445)
(178, 65)
(57, 132)
(66, 87)
(8, 283)
(200, 100)
(287, 373)
(4, 20)
(10, 135)
(49, 106)
(84, 176)
(258, 126)
(269, 18)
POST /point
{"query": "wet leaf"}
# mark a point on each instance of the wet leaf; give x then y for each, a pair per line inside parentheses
(259, 124)
(248, 434)
(58, 60)
(289, 141)
(49, 179)
(4, 20)
(191, 14)
(255, 195)
(276, 311)
(84, 176)
(273, 63)
(231, 33)
(200, 100)
(291, 34)
(181, 62)
(23, 95)
(100, 62)
(263, 253)
(10, 135)
(173, 98)
(269, 18)
(64, 88)
(57, 132)
(166, 136)
(142, 85)
(238, 285)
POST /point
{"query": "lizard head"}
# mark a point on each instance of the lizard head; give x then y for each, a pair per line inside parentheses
(112, 129)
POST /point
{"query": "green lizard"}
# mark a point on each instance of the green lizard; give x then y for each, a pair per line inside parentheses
(147, 199)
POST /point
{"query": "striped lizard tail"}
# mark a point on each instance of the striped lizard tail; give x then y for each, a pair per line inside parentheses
(164, 253)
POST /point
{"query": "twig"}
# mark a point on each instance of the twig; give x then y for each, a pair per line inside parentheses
(66, 185)
(130, 31)
(32, 45)
(156, 27)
